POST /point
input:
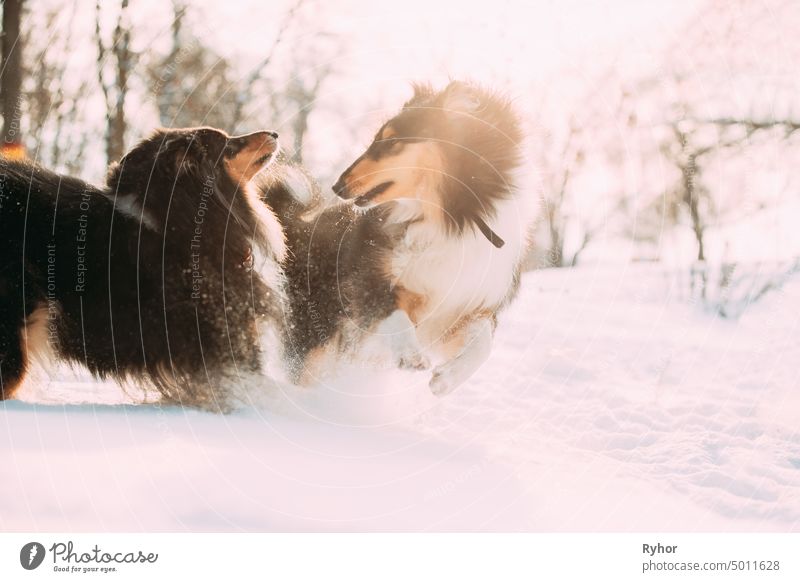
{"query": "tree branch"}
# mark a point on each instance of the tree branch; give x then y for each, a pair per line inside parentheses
(244, 93)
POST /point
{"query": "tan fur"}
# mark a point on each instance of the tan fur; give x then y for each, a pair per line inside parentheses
(35, 340)
(242, 168)
(411, 303)
(416, 170)
(453, 341)
(274, 234)
(35, 347)
(9, 387)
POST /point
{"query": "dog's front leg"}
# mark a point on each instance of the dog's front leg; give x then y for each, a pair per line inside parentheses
(402, 337)
(474, 341)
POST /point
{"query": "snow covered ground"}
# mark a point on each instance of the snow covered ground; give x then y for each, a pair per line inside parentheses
(607, 405)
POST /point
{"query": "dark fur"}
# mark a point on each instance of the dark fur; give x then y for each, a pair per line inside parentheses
(333, 267)
(119, 295)
(336, 266)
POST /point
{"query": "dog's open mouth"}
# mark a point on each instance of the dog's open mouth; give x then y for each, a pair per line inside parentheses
(373, 193)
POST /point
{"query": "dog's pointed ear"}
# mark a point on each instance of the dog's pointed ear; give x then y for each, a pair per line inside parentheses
(459, 98)
(182, 153)
(422, 93)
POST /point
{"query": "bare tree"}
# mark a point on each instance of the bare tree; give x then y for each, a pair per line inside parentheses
(688, 152)
(246, 87)
(692, 78)
(163, 73)
(293, 83)
(557, 167)
(11, 75)
(561, 153)
(114, 67)
(304, 94)
(690, 191)
(53, 105)
(192, 84)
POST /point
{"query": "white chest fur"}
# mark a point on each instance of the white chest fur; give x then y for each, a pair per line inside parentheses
(458, 274)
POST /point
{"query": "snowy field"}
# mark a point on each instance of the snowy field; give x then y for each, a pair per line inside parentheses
(609, 404)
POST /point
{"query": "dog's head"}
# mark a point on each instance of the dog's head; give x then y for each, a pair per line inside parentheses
(197, 153)
(190, 181)
(449, 152)
(173, 163)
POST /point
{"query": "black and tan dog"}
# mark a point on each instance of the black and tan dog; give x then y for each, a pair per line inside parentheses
(428, 247)
(148, 279)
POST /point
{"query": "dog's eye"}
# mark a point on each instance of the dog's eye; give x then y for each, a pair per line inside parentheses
(381, 147)
(392, 144)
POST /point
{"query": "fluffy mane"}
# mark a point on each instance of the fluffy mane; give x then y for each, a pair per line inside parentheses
(480, 135)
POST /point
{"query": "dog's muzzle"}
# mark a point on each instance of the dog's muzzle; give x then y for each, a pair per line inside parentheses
(261, 143)
(341, 190)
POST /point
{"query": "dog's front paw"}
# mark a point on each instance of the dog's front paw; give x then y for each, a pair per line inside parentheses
(413, 360)
(443, 380)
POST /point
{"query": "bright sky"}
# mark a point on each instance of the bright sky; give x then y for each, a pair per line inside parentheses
(504, 38)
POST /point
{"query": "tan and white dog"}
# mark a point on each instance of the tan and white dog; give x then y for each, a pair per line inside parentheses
(427, 247)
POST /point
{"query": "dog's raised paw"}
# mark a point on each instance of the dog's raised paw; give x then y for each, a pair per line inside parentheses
(442, 382)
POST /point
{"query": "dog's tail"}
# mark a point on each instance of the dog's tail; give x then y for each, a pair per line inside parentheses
(291, 193)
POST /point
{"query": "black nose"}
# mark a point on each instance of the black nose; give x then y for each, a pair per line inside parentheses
(339, 188)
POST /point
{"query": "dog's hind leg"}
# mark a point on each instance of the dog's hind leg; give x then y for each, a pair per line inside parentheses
(13, 362)
(474, 339)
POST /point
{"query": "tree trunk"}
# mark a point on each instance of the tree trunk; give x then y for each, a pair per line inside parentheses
(166, 95)
(701, 254)
(115, 90)
(693, 202)
(300, 129)
(11, 76)
(556, 255)
(587, 237)
(117, 124)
